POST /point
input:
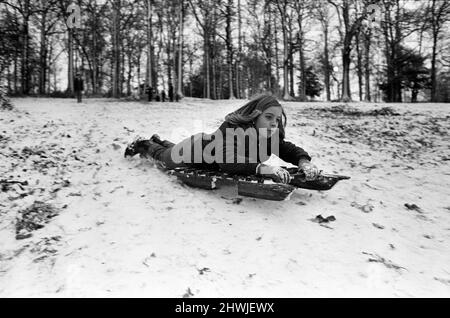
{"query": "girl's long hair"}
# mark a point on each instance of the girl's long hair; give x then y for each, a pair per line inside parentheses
(247, 114)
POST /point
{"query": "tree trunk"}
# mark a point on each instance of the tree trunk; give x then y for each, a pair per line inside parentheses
(16, 51)
(397, 67)
(138, 71)
(277, 64)
(190, 75)
(434, 27)
(94, 61)
(238, 59)
(148, 77)
(359, 67)
(158, 56)
(229, 44)
(327, 64)
(180, 52)
(346, 95)
(122, 80)
(174, 63)
(433, 67)
(42, 56)
(70, 74)
(291, 66)
(169, 63)
(350, 27)
(8, 79)
(286, 95)
(282, 9)
(367, 39)
(25, 87)
(130, 68)
(207, 77)
(116, 49)
(302, 90)
(301, 54)
(49, 67)
(214, 80)
(220, 89)
(267, 45)
(214, 51)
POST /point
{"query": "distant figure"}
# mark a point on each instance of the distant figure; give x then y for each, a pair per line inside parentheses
(78, 86)
(157, 98)
(142, 90)
(150, 93)
(171, 92)
(163, 96)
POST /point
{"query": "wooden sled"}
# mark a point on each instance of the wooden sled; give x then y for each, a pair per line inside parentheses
(254, 186)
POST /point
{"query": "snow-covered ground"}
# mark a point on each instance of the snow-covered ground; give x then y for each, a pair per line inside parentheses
(124, 228)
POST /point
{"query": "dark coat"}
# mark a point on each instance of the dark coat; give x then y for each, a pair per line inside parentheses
(78, 85)
(242, 163)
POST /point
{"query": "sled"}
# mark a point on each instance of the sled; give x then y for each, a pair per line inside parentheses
(255, 186)
(261, 187)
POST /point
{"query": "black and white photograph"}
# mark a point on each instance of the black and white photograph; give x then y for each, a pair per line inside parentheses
(244, 149)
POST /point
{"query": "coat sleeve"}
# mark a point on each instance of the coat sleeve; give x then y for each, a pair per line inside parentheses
(292, 153)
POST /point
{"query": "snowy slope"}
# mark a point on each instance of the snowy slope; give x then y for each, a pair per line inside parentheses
(124, 228)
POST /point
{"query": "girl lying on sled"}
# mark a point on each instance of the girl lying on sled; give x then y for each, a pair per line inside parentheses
(246, 138)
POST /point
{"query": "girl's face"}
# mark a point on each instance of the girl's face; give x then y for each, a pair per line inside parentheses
(267, 123)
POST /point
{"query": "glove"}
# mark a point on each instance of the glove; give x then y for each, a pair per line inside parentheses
(277, 174)
(310, 170)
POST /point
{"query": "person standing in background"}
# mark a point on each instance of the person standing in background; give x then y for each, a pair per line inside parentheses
(150, 93)
(78, 86)
(170, 92)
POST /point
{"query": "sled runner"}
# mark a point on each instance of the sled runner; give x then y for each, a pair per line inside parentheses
(254, 186)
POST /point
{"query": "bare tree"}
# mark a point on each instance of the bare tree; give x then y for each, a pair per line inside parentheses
(367, 36)
(302, 10)
(323, 15)
(149, 68)
(203, 15)
(26, 10)
(282, 8)
(116, 49)
(180, 50)
(263, 34)
(229, 43)
(239, 54)
(438, 14)
(398, 24)
(350, 20)
(47, 21)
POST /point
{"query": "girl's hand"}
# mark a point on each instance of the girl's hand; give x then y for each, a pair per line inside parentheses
(277, 174)
(310, 170)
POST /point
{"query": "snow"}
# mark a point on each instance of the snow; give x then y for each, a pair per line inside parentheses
(125, 228)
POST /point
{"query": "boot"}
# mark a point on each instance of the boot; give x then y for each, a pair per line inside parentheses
(137, 146)
(156, 138)
(164, 143)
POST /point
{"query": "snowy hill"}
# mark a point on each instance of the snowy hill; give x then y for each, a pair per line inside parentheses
(121, 227)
